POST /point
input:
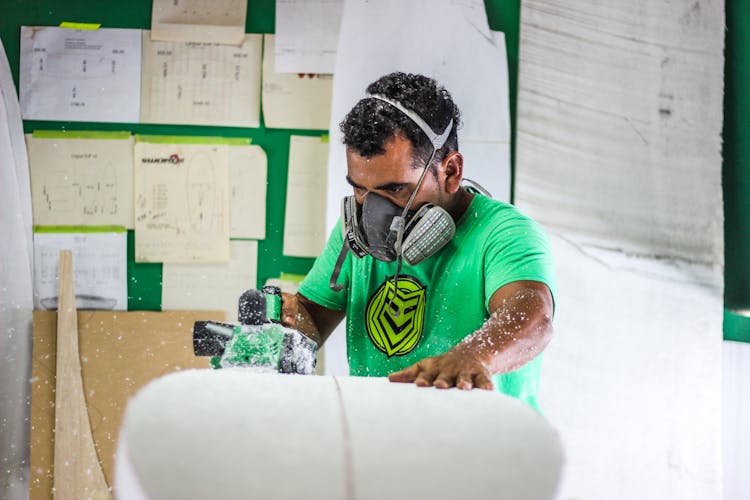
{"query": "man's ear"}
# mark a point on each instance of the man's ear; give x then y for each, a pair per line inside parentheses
(453, 166)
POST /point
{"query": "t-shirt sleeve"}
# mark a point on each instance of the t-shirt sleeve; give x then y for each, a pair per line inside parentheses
(518, 250)
(316, 287)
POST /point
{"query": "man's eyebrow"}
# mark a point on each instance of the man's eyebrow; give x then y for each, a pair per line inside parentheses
(383, 187)
(352, 183)
(391, 185)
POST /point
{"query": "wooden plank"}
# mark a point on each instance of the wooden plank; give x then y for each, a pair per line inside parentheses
(120, 352)
(79, 474)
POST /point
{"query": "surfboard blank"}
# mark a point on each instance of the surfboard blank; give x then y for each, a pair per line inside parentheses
(238, 434)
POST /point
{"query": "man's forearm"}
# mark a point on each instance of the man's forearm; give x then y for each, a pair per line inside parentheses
(519, 328)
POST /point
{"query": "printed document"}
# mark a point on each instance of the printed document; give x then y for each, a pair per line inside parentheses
(216, 21)
(81, 178)
(304, 221)
(298, 101)
(307, 33)
(197, 83)
(80, 75)
(247, 184)
(99, 268)
(211, 286)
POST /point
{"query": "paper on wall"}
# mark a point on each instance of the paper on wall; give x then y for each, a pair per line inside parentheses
(211, 286)
(181, 202)
(307, 34)
(80, 75)
(298, 101)
(196, 83)
(215, 21)
(304, 220)
(81, 178)
(247, 184)
(99, 268)
(377, 38)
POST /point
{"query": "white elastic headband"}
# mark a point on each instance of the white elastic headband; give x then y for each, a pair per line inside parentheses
(438, 141)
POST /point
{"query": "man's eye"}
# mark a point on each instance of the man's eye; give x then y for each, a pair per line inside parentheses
(395, 189)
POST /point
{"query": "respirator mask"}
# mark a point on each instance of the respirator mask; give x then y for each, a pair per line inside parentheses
(388, 232)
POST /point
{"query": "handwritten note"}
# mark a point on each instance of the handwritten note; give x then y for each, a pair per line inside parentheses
(182, 203)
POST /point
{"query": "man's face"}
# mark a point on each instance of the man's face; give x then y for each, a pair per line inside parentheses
(393, 176)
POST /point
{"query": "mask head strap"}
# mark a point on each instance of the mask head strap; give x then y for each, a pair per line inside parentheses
(437, 140)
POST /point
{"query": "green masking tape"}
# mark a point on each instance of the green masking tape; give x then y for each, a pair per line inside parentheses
(292, 278)
(79, 134)
(80, 26)
(79, 229)
(191, 139)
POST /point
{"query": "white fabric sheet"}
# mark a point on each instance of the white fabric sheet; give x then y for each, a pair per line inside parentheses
(377, 38)
(631, 378)
(619, 124)
(618, 155)
(16, 299)
(735, 416)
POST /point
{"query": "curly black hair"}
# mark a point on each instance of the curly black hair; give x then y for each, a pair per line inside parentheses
(372, 122)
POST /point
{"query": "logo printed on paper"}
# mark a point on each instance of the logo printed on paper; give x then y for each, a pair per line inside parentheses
(173, 158)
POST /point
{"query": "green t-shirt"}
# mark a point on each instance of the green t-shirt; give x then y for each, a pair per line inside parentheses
(442, 299)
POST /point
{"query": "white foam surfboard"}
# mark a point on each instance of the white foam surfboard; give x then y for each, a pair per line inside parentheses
(238, 434)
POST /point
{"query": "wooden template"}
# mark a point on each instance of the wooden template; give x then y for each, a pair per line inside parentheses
(119, 353)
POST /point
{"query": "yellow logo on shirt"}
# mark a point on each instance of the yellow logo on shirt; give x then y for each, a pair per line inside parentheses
(395, 316)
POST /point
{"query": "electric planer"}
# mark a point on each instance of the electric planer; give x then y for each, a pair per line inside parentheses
(259, 341)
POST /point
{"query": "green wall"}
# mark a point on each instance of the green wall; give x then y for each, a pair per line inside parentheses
(737, 172)
(144, 280)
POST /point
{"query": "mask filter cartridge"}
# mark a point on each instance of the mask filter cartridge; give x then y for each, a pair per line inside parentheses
(429, 230)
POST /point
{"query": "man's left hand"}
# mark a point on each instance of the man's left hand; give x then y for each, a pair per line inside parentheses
(455, 368)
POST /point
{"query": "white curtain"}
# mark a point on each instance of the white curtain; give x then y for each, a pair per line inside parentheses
(446, 40)
(16, 301)
(619, 156)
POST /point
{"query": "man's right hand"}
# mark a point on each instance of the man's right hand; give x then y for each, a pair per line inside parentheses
(295, 315)
(310, 318)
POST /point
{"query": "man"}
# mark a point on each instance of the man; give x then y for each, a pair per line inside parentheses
(472, 310)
